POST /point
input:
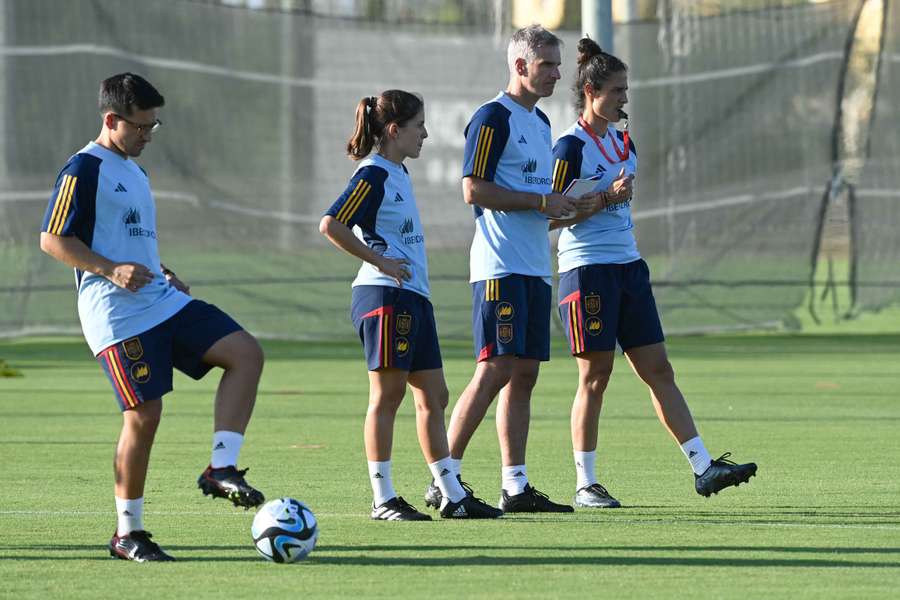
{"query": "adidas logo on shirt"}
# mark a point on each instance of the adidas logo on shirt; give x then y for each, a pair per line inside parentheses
(398, 198)
(120, 188)
(522, 140)
(600, 169)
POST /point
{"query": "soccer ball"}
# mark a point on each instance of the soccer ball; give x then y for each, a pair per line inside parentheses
(284, 530)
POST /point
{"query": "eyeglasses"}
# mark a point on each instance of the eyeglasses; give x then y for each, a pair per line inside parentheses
(142, 128)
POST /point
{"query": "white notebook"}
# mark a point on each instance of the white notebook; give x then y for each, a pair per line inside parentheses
(579, 187)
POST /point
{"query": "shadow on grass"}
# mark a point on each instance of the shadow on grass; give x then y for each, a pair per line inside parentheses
(73, 349)
(486, 560)
(342, 412)
(498, 555)
(804, 511)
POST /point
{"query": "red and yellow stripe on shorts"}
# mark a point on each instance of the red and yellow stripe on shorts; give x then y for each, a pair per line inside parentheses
(572, 309)
(385, 334)
(127, 395)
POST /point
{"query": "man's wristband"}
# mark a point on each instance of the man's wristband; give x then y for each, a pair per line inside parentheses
(543, 206)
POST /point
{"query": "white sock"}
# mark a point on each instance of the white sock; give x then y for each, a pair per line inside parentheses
(585, 468)
(445, 478)
(697, 455)
(225, 449)
(382, 485)
(130, 515)
(456, 465)
(515, 478)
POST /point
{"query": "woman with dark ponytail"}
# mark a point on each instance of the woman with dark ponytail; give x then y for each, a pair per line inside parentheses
(390, 308)
(604, 289)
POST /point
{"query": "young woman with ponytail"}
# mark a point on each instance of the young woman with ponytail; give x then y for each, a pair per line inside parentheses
(605, 294)
(390, 308)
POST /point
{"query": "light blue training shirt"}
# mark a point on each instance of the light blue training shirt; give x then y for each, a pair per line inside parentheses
(380, 207)
(605, 237)
(105, 201)
(510, 146)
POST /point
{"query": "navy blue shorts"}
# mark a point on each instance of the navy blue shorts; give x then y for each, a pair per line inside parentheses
(511, 315)
(396, 327)
(140, 368)
(599, 304)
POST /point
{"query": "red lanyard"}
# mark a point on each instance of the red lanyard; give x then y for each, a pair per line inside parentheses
(622, 154)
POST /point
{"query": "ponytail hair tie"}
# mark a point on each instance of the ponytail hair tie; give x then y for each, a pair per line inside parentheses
(372, 102)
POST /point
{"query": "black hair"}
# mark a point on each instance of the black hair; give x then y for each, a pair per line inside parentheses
(124, 92)
(595, 67)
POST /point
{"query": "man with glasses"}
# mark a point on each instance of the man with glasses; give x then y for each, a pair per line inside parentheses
(137, 316)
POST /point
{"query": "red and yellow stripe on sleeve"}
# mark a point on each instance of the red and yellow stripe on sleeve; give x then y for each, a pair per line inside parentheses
(62, 205)
(560, 170)
(354, 201)
(482, 150)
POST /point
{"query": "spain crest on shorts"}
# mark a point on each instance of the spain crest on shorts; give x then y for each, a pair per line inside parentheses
(140, 372)
(404, 324)
(592, 304)
(401, 346)
(593, 325)
(504, 333)
(133, 348)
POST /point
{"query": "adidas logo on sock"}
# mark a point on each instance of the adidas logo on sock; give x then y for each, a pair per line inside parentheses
(578, 464)
(522, 140)
(692, 454)
(377, 476)
(127, 514)
(519, 474)
(444, 472)
(220, 446)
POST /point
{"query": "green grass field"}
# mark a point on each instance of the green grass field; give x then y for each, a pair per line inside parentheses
(820, 414)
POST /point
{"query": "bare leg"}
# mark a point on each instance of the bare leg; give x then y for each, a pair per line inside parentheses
(651, 364)
(241, 357)
(490, 377)
(133, 451)
(431, 395)
(514, 411)
(594, 370)
(386, 390)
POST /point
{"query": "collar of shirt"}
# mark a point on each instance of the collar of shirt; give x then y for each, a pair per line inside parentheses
(392, 167)
(507, 101)
(106, 153)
